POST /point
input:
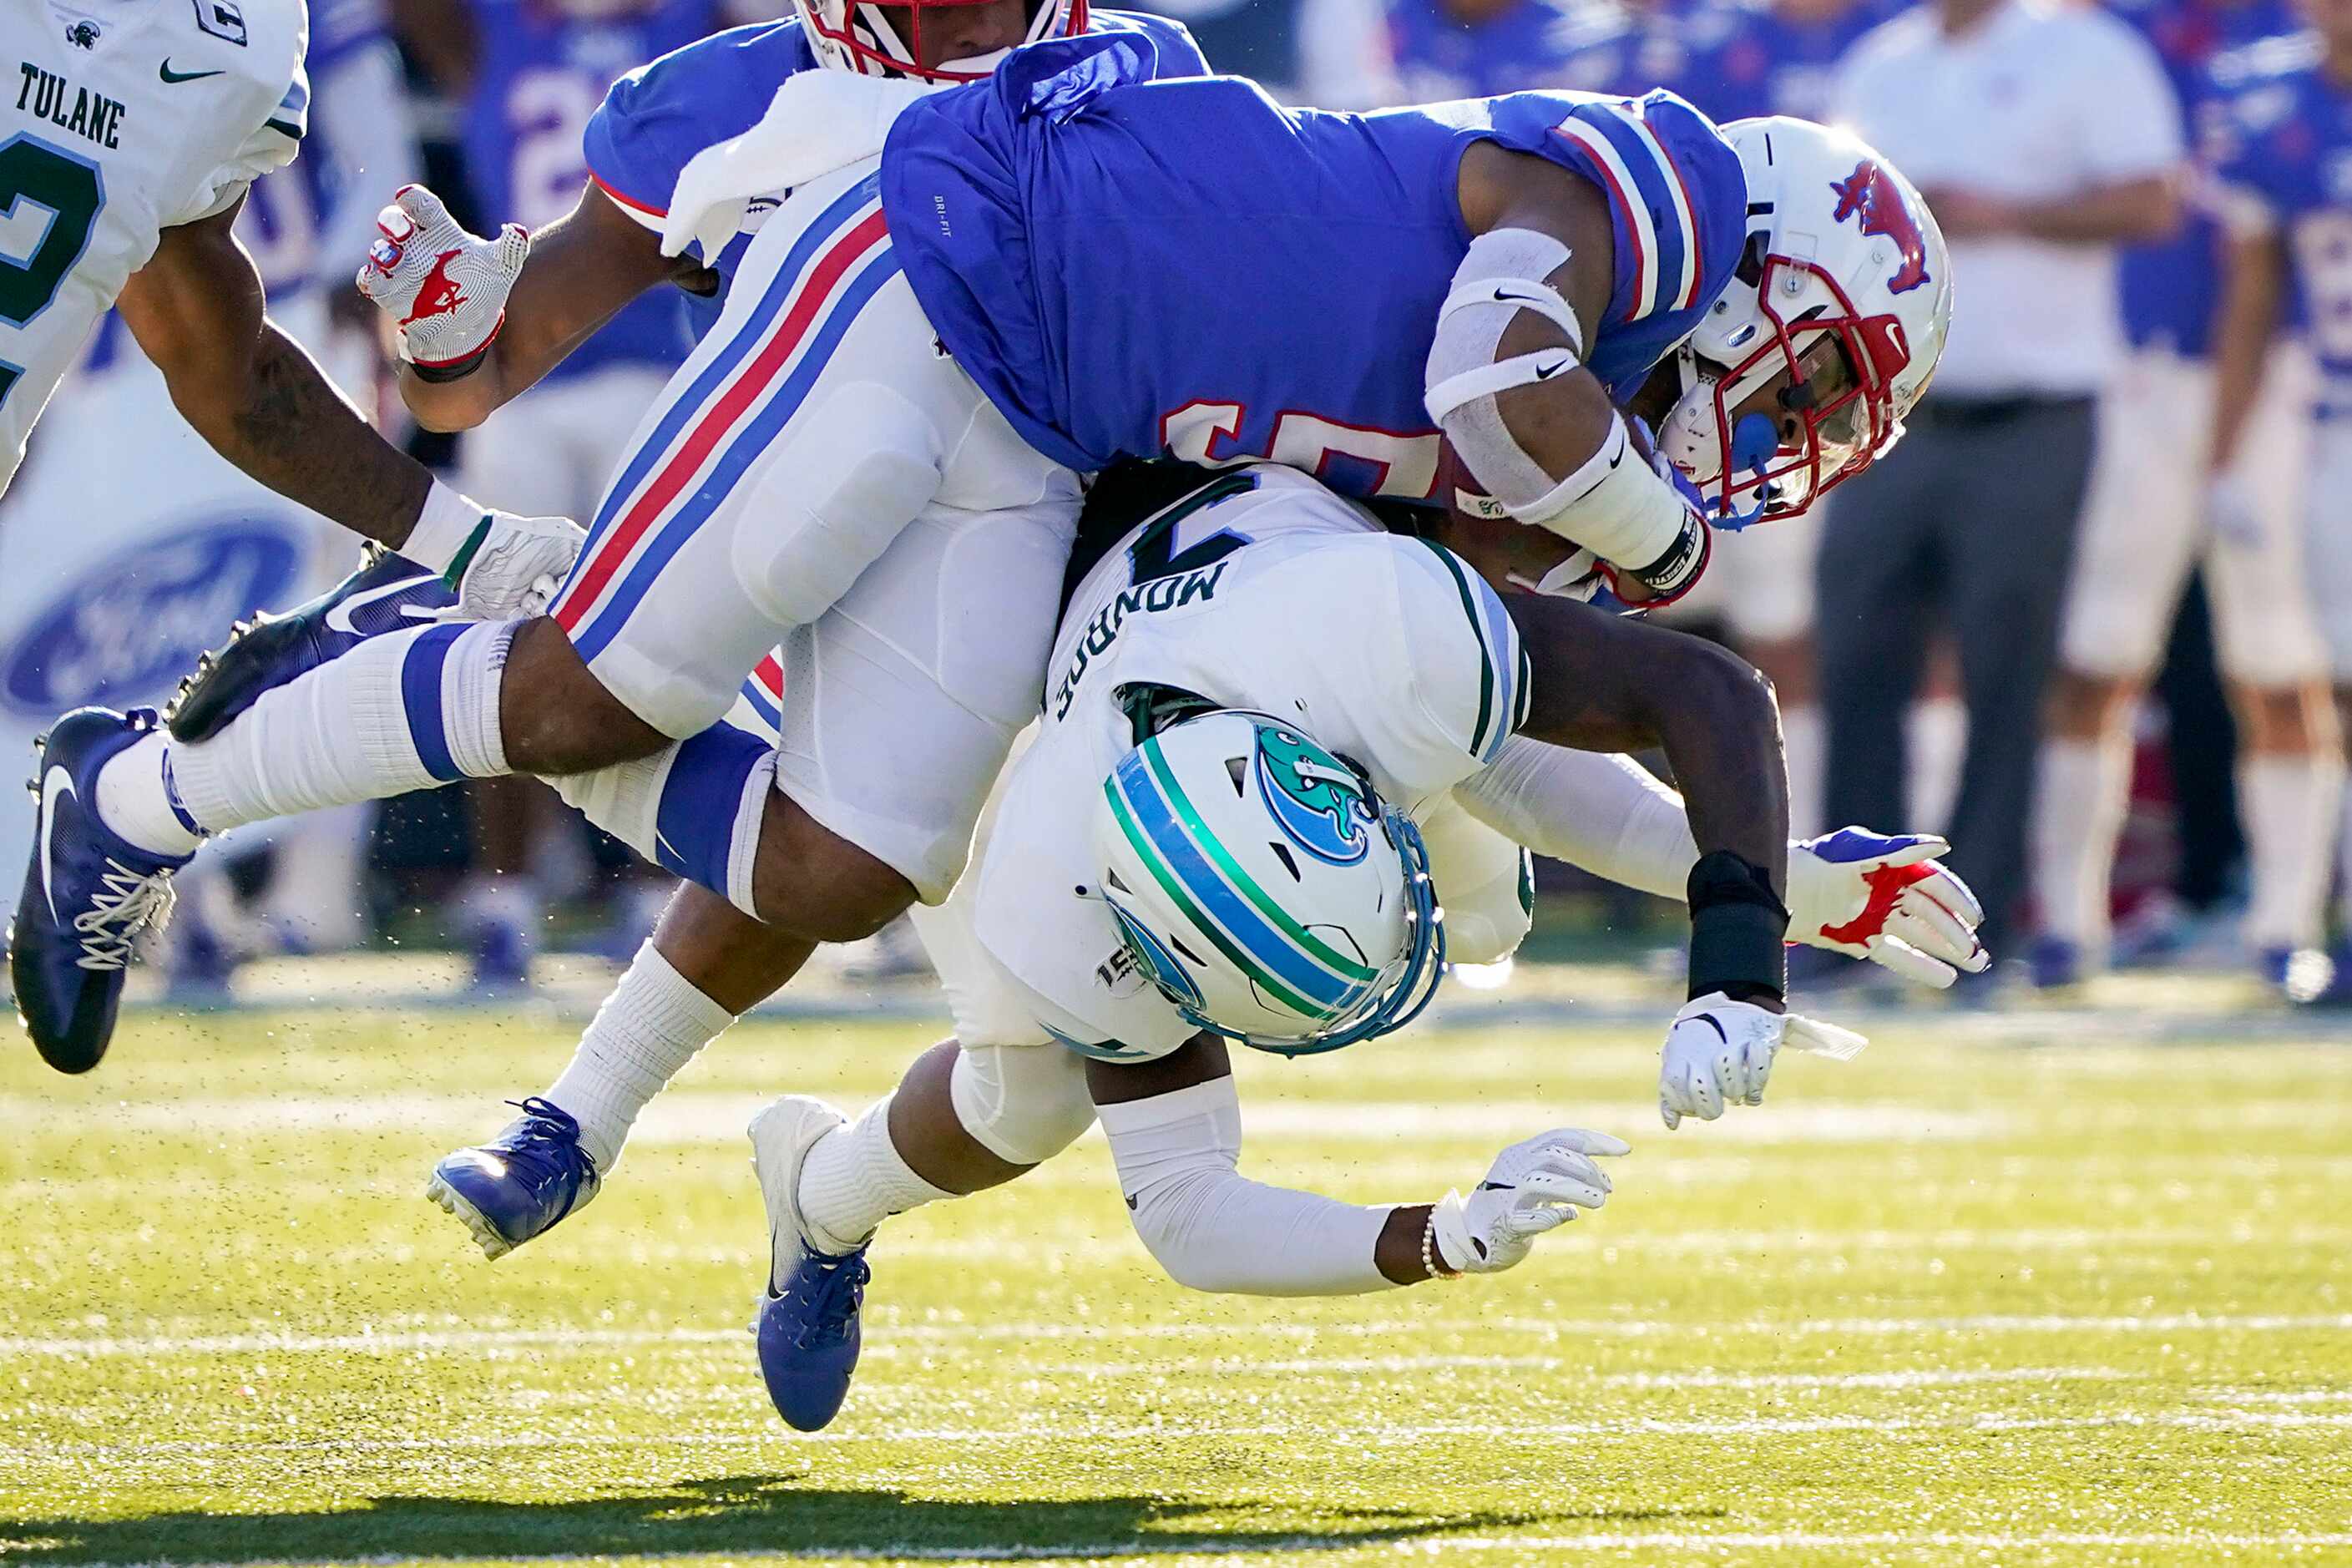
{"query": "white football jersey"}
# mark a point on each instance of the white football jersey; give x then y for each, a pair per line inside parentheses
(1262, 591)
(120, 118)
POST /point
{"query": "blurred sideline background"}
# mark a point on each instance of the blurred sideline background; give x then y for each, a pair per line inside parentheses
(126, 547)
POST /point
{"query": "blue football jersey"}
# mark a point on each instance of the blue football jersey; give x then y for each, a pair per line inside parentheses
(544, 72)
(1587, 45)
(1738, 59)
(658, 116)
(2284, 153)
(2167, 291)
(1186, 267)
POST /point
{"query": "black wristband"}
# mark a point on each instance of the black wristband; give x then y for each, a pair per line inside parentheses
(1679, 567)
(1738, 929)
(458, 369)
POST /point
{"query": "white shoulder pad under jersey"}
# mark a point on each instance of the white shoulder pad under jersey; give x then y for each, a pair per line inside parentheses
(1265, 592)
(120, 118)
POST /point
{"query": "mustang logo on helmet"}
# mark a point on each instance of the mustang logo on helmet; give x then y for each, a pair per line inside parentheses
(1872, 193)
(1316, 799)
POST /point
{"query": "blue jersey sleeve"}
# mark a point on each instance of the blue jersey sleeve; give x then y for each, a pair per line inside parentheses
(1677, 204)
(663, 113)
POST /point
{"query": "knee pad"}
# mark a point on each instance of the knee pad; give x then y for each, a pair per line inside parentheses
(1485, 884)
(1023, 1103)
(829, 497)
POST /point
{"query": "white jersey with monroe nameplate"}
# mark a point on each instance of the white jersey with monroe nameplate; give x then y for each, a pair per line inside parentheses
(1263, 591)
(120, 118)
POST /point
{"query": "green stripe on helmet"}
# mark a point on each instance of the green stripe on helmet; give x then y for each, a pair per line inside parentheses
(1280, 917)
(1165, 875)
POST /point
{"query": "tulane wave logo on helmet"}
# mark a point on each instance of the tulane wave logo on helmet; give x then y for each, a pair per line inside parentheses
(1316, 799)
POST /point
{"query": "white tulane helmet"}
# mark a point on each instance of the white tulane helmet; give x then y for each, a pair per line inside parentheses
(1264, 888)
(1840, 306)
(854, 36)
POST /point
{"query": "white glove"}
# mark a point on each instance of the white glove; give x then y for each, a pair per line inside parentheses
(818, 121)
(444, 289)
(502, 567)
(1888, 898)
(1720, 1052)
(2235, 511)
(1532, 1187)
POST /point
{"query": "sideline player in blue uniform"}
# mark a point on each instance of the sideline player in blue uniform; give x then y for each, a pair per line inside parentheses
(2155, 512)
(1548, 250)
(2286, 148)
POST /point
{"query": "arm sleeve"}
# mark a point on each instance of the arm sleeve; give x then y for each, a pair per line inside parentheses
(2133, 126)
(1211, 1227)
(1603, 812)
(364, 125)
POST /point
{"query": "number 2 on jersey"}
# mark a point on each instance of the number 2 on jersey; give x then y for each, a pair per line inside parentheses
(34, 174)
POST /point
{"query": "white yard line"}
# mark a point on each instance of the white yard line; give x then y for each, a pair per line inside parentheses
(470, 1340)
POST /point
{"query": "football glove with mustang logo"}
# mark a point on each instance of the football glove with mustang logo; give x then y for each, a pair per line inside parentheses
(444, 289)
(1888, 898)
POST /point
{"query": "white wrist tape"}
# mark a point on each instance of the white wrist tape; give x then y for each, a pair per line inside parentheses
(1504, 272)
(1451, 1226)
(1614, 505)
(448, 519)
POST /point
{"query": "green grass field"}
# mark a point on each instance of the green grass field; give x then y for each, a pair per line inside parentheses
(1967, 1299)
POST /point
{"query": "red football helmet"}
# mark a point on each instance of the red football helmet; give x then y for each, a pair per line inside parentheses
(856, 35)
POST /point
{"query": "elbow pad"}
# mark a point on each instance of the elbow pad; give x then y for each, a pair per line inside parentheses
(1625, 512)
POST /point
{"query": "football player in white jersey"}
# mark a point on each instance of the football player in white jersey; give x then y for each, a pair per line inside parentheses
(1228, 827)
(128, 134)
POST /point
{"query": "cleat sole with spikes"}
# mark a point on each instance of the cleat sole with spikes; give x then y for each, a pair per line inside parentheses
(450, 1201)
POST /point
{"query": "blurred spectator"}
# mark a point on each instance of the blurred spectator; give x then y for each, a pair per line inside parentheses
(2281, 151)
(2042, 137)
(2151, 517)
(1440, 50)
(532, 74)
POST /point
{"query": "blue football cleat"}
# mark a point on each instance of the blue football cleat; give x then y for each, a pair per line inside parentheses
(389, 593)
(2055, 963)
(808, 1329)
(88, 896)
(519, 1184)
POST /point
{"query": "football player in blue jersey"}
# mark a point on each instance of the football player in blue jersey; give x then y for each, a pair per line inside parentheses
(876, 453)
(2154, 515)
(2283, 150)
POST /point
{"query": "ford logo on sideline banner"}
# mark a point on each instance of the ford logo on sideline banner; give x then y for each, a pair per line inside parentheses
(125, 631)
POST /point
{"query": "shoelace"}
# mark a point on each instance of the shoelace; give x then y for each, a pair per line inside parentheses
(126, 904)
(548, 1142)
(834, 1296)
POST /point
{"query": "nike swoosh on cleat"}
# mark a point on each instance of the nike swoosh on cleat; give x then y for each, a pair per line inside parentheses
(169, 75)
(54, 783)
(339, 617)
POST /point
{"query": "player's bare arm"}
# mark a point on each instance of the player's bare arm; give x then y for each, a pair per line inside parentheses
(1532, 424)
(2254, 285)
(2123, 213)
(582, 269)
(196, 309)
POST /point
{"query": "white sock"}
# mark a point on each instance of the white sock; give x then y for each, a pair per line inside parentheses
(1800, 737)
(2287, 804)
(854, 1179)
(2081, 797)
(405, 711)
(1939, 741)
(643, 1036)
(134, 798)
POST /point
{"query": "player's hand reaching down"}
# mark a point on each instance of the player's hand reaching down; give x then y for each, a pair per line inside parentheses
(1720, 1052)
(444, 289)
(516, 565)
(1887, 898)
(1533, 1186)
